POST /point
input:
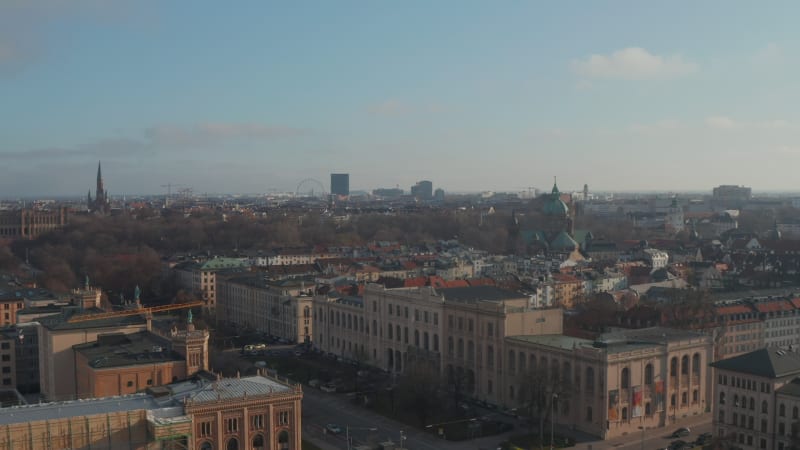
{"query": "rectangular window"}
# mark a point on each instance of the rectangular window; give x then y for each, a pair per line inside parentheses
(283, 418)
(450, 321)
(460, 323)
(6, 357)
(257, 422)
(416, 315)
(232, 425)
(436, 318)
(205, 429)
(470, 325)
(390, 309)
(490, 329)
(425, 316)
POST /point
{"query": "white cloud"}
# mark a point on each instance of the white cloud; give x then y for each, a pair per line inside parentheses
(633, 63)
(721, 122)
(769, 55)
(390, 107)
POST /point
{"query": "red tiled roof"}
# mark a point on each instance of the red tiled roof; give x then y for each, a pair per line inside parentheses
(415, 282)
(772, 306)
(795, 302)
(733, 309)
(481, 282)
(456, 283)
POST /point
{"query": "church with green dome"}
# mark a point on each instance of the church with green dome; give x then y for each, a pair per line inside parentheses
(556, 234)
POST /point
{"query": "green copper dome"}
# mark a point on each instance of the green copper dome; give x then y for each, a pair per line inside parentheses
(554, 206)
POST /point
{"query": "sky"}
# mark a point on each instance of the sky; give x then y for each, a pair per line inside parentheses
(257, 96)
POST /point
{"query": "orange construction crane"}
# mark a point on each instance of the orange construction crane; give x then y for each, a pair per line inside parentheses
(148, 312)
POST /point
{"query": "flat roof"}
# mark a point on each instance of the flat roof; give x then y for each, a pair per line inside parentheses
(76, 408)
(60, 321)
(474, 294)
(118, 349)
(554, 340)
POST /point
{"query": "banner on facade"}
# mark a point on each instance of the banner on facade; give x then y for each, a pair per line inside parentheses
(613, 405)
(637, 401)
(659, 396)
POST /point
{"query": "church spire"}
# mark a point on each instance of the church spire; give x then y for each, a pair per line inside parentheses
(555, 187)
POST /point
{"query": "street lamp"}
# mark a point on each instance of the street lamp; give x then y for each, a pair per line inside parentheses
(642, 428)
(402, 438)
(347, 432)
(552, 419)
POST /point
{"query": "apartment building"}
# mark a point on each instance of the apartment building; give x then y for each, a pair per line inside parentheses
(201, 278)
(281, 309)
(757, 399)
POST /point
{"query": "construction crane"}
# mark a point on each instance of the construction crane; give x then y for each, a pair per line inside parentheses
(148, 312)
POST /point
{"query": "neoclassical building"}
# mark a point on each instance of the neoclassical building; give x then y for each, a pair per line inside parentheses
(257, 412)
(488, 340)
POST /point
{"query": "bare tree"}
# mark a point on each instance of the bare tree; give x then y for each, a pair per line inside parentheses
(418, 391)
(539, 389)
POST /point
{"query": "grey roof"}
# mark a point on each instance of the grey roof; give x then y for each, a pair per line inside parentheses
(60, 321)
(653, 335)
(170, 406)
(76, 408)
(768, 363)
(553, 340)
(229, 388)
(117, 349)
(791, 388)
(475, 294)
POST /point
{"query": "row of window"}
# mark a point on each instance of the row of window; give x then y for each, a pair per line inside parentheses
(232, 424)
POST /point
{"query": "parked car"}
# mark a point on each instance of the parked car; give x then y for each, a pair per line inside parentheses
(313, 383)
(704, 439)
(681, 432)
(679, 445)
(333, 428)
(328, 388)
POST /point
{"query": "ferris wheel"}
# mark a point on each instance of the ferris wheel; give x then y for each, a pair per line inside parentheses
(310, 188)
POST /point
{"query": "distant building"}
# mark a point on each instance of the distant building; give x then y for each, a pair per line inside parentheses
(423, 190)
(438, 195)
(30, 223)
(201, 278)
(732, 194)
(387, 192)
(340, 184)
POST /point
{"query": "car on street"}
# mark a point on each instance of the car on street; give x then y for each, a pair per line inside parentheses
(327, 387)
(333, 428)
(703, 439)
(681, 432)
(679, 445)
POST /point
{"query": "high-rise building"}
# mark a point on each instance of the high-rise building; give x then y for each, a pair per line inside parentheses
(340, 184)
(423, 190)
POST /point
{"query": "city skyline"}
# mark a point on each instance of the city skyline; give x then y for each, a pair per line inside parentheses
(621, 96)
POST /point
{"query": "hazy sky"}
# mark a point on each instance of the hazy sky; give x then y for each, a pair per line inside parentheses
(253, 96)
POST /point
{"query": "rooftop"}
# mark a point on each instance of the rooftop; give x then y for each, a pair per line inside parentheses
(474, 294)
(553, 340)
(768, 363)
(117, 349)
(59, 322)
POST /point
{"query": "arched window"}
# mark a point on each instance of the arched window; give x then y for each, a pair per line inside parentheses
(589, 379)
(625, 378)
(752, 404)
(782, 410)
(673, 367)
(258, 442)
(764, 407)
(735, 400)
(512, 361)
(283, 440)
(435, 342)
(648, 374)
(696, 364)
(521, 362)
(206, 446)
(685, 365)
(532, 360)
(233, 444)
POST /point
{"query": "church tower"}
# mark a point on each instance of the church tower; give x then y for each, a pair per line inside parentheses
(101, 202)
